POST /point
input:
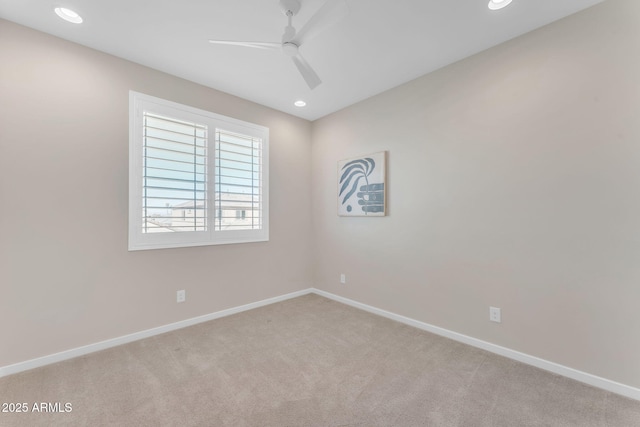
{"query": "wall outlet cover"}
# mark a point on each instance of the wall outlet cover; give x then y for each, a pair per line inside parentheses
(181, 296)
(495, 315)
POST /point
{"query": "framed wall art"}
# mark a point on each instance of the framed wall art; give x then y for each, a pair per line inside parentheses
(362, 185)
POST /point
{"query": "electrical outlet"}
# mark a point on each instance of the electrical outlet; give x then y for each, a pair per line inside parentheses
(494, 314)
(343, 278)
(181, 296)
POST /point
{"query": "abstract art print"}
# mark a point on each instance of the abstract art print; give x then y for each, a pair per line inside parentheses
(362, 185)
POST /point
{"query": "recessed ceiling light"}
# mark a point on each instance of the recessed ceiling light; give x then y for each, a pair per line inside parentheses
(300, 103)
(68, 15)
(498, 4)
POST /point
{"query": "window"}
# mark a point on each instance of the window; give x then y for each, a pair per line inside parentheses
(184, 165)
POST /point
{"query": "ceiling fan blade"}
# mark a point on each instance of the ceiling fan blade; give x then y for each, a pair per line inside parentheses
(307, 72)
(258, 45)
(329, 14)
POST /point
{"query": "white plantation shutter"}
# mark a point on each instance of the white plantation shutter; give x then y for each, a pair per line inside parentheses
(238, 181)
(174, 188)
(195, 177)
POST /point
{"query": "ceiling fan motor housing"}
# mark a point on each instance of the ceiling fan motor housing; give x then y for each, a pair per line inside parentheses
(290, 49)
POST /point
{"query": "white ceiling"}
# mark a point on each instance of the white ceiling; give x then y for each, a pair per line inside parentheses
(379, 45)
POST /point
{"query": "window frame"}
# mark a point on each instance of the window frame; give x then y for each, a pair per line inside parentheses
(138, 104)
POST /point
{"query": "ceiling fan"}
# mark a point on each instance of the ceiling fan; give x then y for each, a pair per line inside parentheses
(329, 13)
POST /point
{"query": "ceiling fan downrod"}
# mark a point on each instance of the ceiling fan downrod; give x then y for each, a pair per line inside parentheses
(290, 8)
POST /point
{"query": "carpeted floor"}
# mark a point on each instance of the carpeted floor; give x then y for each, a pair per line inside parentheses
(308, 361)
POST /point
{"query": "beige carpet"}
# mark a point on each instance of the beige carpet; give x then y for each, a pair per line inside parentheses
(308, 361)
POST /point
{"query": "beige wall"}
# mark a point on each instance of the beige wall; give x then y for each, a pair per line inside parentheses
(514, 181)
(66, 277)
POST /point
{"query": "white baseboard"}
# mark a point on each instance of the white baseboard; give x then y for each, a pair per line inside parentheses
(102, 345)
(603, 383)
(593, 380)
